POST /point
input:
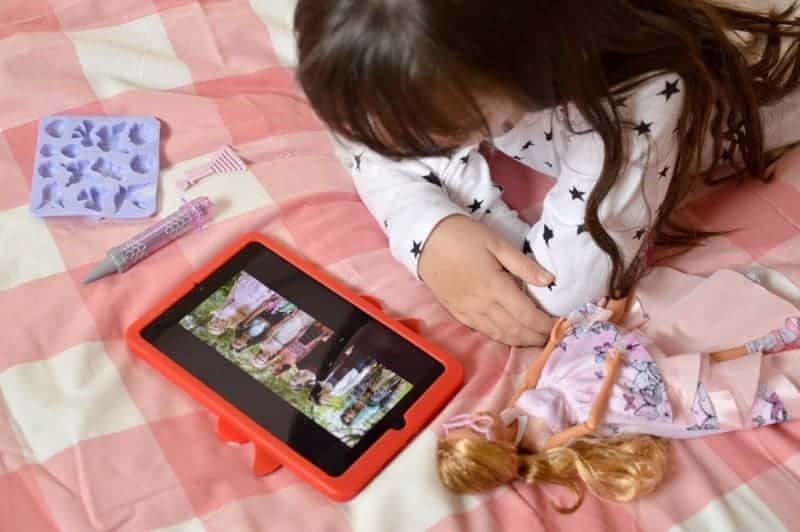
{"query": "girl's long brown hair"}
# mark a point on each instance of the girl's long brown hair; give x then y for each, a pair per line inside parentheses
(401, 75)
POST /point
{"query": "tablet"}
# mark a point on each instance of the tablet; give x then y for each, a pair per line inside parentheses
(316, 376)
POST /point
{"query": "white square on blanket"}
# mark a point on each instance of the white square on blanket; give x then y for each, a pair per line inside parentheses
(60, 401)
(30, 251)
(278, 17)
(235, 192)
(134, 55)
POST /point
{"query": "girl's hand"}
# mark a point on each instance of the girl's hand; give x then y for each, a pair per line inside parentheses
(463, 264)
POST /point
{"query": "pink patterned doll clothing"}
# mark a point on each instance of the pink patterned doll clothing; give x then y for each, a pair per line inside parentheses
(679, 396)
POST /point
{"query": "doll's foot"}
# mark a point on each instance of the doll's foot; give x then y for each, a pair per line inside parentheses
(783, 339)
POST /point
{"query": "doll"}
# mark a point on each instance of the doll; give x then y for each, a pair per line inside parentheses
(600, 403)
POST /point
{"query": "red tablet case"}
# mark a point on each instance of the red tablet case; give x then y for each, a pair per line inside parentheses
(270, 452)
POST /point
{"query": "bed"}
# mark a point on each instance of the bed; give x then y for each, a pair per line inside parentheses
(93, 439)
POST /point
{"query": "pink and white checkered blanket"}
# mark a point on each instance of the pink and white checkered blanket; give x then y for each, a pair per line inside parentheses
(93, 439)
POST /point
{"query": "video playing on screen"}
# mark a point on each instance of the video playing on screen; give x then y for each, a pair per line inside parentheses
(287, 351)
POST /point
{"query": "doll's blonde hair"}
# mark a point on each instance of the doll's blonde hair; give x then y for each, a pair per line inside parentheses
(620, 468)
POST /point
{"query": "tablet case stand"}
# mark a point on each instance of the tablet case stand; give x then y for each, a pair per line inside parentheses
(263, 462)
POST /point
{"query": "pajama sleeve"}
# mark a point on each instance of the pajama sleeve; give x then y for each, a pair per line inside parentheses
(410, 197)
(559, 240)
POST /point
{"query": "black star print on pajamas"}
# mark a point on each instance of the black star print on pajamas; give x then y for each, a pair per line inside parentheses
(581, 229)
(551, 286)
(547, 235)
(548, 135)
(643, 128)
(527, 145)
(621, 101)
(465, 159)
(670, 88)
(416, 249)
(475, 205)
(640, 233)
(663, 172)
(433, 179)
(526, 247)
(357, 159)
(517, 158)
(576, 194)
(386, 224)
(548, 163)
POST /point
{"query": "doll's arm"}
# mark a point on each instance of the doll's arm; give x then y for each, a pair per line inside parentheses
(564, 437)
(531, 379)
(599, 406)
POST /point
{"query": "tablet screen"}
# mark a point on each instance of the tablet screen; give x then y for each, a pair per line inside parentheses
(274, 341)
(301, 361)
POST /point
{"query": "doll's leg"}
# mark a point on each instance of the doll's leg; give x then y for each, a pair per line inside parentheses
(729, 354)
(787, 337)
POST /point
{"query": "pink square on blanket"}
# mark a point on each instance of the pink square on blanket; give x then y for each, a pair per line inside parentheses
(23, 16)
(317, 174)
(485, 362)
(292, 508)
(763, 448)
(262, 104)
(695, 469)
(91, 14)
(211, 472)
(771, 485)
(16, 186)
(201, 246)
(761, 216)
(190, 125)
(21, 504)
(85, 240)
(165, 5)
(27, 94)
(233, 41)
(42, 318)
(118, 482)
(117, 300)
(310, 219)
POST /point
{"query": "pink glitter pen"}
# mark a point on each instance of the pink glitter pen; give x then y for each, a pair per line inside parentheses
(119, 259)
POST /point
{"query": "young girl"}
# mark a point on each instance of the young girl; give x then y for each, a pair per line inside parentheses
(592, 405)
(621, 101)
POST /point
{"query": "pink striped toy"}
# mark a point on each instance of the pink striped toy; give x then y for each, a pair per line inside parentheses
(225, 161)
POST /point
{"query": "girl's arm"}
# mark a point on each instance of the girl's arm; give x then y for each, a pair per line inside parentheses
(531, 379)
(599, 406)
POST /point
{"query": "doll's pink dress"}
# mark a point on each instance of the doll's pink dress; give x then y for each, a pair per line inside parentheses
(679, 396)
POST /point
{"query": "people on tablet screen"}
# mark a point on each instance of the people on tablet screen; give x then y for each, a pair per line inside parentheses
(245, 297)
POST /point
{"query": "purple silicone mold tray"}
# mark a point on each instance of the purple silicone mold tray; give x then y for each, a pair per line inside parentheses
(105, 166)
